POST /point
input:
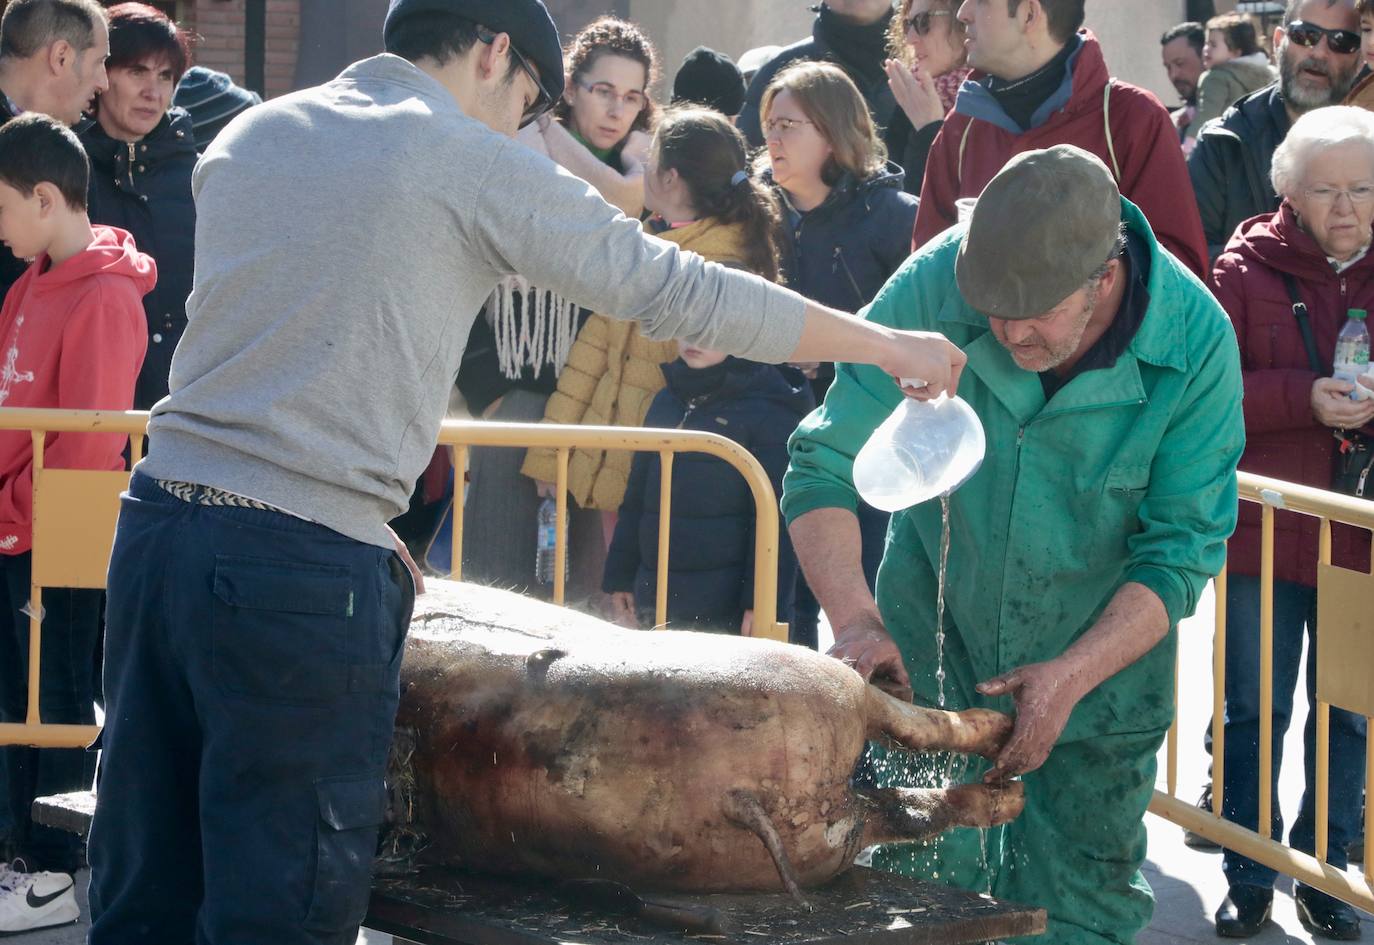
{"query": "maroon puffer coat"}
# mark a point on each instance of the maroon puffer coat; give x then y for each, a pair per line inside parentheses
(1283, 438)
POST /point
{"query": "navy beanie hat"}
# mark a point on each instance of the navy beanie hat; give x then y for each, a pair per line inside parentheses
(707, 77)
(527, 22)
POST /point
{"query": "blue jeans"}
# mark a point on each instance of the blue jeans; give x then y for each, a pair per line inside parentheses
(1295, 609)
(252, 667)
(71, 623)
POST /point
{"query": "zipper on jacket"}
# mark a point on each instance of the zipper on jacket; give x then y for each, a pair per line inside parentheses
(132, 159)
(841, 263)
(692, 405)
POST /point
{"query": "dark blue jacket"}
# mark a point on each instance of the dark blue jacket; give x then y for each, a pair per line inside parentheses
(1230, 165)
(711, 551)
(842, 252)
(145, 187)
(858, 50)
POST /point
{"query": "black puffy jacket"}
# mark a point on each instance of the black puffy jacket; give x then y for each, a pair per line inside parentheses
(711, 538)
(145, 187)
(1230, 165)
(858, 50)
(843, 251)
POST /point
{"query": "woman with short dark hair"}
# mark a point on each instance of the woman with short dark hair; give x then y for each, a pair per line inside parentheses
(142, 153)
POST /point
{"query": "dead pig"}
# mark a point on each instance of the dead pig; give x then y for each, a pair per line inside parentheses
(540, 740)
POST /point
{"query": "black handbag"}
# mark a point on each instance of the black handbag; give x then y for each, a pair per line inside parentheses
(1351, 471)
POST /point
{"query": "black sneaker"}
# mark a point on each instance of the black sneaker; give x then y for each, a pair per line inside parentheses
(1244, 911)
(1196, 840)
(1354, 850)
(1325, 916)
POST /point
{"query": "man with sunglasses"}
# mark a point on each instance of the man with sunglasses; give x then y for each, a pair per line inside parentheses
(258, 603)
(1318, 53)
(1040, 80)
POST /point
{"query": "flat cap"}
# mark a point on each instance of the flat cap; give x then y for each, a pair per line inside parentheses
(527, 22)
(1040, 228)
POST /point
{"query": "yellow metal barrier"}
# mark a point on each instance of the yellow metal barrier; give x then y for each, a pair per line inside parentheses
(1345, 679)
(74, 513)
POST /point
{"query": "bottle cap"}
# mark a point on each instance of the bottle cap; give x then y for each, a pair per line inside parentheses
(1358, 313)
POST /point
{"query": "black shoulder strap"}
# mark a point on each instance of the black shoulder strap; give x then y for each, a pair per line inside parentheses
(1304, 324)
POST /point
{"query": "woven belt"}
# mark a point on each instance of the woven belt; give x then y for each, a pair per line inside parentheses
(209, 495)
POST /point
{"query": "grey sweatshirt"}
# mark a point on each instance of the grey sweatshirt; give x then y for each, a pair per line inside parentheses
(346, 237)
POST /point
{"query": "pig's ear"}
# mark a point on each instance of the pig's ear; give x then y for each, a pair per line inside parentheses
(743, 809)
(970, 732)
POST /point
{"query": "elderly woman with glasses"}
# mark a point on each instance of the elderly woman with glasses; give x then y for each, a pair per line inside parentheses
(927, 67)
(1286, 277)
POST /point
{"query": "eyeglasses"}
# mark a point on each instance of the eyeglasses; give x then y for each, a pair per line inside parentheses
(606, 94)
(1327, 196)
(542, 102)
(919, 23)
(783, 126)
(1340, 42)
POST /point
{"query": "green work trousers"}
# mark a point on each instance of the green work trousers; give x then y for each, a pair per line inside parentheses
(1075, 851)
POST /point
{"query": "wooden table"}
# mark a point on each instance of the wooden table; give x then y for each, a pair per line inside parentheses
(861, 907)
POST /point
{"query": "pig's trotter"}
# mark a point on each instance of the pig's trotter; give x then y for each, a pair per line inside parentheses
(902, 814)
(970, 732)
(743, 809)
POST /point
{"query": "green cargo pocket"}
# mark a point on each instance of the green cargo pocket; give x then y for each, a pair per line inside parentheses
(280, 629)
(351, 812)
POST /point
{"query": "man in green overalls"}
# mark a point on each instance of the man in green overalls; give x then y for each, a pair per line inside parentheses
(1108, 382)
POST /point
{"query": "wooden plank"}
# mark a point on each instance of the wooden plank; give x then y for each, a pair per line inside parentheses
(861, 907)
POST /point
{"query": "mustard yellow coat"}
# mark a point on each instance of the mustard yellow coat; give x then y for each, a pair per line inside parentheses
(611, 376)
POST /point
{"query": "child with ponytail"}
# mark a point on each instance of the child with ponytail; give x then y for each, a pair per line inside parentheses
(702, 197)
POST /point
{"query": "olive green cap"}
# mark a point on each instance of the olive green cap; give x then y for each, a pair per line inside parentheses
(1041, 227)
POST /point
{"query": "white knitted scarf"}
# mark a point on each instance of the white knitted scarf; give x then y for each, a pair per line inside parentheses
(542, 334)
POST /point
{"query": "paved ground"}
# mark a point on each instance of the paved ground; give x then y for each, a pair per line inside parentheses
(1188, 884)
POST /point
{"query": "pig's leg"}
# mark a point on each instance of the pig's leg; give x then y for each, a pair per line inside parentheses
(743, 809)
(899, 814)
(970, 732)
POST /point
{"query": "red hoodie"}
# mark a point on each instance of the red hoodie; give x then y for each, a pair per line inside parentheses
(72, 337)
(1282, 438)
(968, 152)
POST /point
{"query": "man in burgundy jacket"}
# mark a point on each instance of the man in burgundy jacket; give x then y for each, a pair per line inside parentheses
(1039, 81)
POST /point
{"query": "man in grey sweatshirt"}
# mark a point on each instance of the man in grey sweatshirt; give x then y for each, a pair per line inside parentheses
(347, 237)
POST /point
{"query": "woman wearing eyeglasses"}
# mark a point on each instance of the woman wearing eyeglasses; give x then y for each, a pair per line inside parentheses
(598, 131)
(846, 219)
(1307, 262)
(600, 128)
(927, 67)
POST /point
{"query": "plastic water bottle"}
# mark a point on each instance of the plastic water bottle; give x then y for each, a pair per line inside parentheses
(545, 541)
(924, 450)
(1352, 353)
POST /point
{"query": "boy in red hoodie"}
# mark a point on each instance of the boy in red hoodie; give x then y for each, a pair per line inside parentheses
(72, 335)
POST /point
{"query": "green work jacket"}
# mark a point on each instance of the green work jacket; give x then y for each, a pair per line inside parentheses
(1127, 474)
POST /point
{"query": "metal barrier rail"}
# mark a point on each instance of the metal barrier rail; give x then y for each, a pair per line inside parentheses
(1345, 678)
(460, 436)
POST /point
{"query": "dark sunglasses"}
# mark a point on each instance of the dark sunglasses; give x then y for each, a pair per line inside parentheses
(542, 103)
(1341, 42)
(920, 22)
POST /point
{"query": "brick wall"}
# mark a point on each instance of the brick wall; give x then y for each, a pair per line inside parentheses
(220, 24)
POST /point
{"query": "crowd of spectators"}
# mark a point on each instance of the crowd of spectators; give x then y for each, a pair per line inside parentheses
(822, 165)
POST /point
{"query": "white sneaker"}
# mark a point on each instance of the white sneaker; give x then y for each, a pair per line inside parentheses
(35, 900)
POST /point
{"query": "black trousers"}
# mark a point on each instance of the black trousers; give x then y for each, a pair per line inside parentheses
(71, 625)
(252, 664)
